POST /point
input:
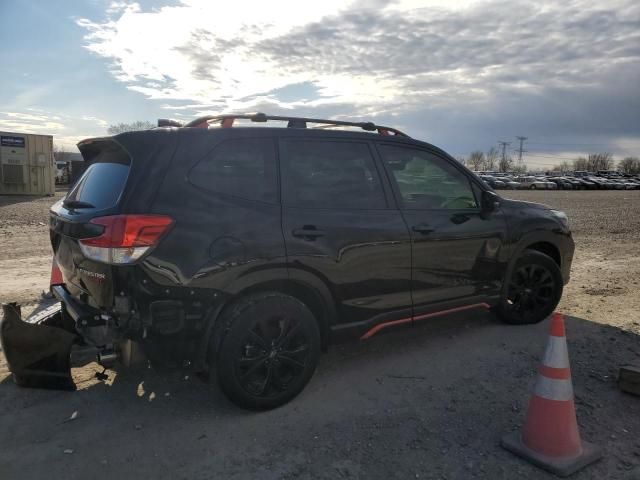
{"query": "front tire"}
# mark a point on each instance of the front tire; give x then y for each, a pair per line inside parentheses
(533, 290)
(268, 351)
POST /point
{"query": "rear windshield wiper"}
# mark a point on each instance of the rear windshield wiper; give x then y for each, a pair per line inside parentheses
(76, 204)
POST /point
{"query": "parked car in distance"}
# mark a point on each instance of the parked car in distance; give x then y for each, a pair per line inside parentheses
(614, 184)
(493, 182)
(549, 184)
(243, 253)
(608, 173)
(529, 182)
(584, 183)
(509, 182)
(628, 185)
(562, 183)
(601, 183)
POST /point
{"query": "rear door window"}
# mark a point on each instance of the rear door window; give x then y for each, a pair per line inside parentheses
(330, 174)
(244, 168)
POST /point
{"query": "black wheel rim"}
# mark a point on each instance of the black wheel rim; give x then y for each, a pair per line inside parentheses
(272, 356)
(531, 290)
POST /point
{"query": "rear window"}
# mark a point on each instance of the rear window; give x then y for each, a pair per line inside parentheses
(103, 182)
(244, 168)
(101, 185)
(330, 174)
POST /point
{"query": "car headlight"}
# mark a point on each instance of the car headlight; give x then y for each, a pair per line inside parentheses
(561, 217)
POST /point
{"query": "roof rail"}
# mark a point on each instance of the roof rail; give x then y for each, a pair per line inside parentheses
(226, 121)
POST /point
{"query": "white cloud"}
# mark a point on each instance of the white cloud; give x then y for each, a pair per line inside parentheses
(208, 52)
(28, 117)
(436, 66)
(98, 121)
(64, 128)
(151, 51)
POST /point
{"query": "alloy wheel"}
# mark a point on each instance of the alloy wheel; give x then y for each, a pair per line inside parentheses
(531, 290)
(273, 355)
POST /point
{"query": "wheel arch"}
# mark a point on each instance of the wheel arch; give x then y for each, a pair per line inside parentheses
(313, 294)
(313, 299)
(549, 249)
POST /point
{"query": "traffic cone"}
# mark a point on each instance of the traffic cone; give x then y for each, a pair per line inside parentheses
(550, 438)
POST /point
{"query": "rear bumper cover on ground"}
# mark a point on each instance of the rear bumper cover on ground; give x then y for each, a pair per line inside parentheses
(40, 352)
(38, 355)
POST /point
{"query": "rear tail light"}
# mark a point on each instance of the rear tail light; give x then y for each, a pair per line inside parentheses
(56, 274)
(125, 238)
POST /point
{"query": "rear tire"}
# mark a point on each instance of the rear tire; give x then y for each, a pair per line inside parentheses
(268, 350)
(533, 290)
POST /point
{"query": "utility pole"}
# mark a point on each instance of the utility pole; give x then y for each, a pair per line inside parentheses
(521, 150)
(504, 146)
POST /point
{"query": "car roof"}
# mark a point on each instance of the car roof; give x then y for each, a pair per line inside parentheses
(189, 134)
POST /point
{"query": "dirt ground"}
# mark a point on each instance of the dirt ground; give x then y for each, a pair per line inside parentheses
(431, 402)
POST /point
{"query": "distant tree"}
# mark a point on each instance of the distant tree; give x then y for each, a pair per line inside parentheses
(476, 160)
(630, 165)
(129, 127)
(519, 169)
(594, 162)
(505, 164)
(563, 167)
(462, 160)
(600, 161)
(580, 163)
(491, 159)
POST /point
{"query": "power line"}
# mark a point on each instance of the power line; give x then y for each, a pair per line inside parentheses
(571, 144)
(552, 156)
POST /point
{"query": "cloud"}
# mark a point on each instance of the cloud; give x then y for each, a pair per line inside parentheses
(546, 68)
(29, 123)
(98, 121)
(64, 128)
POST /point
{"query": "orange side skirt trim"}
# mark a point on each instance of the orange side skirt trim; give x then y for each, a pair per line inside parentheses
(372, 331)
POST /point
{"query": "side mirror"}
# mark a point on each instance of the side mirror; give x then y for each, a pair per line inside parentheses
(490, 201)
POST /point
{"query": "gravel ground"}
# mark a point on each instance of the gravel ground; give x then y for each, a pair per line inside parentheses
(431, 402)
(25, 255)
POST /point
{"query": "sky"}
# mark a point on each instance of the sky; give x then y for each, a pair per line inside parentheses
(461, 75)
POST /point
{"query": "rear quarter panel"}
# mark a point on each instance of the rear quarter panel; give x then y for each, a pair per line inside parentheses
(218, 241)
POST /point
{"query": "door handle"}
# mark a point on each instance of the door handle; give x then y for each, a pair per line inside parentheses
(422, 228)
(308, 232)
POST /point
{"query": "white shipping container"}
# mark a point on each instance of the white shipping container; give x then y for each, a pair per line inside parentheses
(26, 164)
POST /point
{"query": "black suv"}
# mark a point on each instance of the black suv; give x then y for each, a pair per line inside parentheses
(245, 252)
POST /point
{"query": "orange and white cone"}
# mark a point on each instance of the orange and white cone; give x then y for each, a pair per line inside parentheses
(550, 438)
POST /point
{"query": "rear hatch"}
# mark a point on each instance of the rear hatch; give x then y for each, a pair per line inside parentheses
(96, 194)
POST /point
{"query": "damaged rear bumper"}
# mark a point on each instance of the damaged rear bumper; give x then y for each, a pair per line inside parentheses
(40, 354)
